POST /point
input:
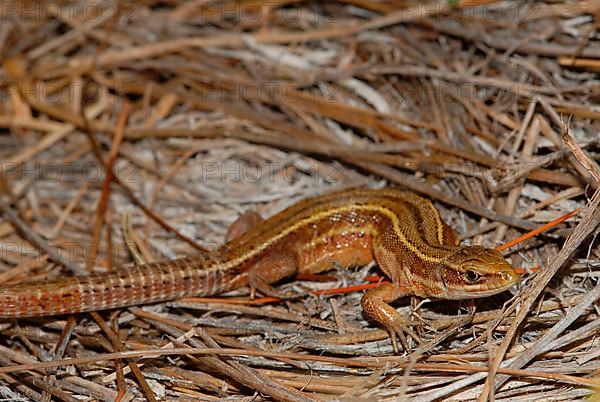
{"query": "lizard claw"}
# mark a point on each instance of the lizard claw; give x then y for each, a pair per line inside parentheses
(398, 329)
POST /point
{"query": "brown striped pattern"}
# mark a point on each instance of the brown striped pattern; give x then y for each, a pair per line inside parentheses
(345, 227)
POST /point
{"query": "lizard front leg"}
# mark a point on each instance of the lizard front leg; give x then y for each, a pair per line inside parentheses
(375, 304)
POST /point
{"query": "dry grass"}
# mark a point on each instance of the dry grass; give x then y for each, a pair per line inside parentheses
(201, 110)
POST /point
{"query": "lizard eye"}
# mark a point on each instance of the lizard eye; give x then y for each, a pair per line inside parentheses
(472, 276)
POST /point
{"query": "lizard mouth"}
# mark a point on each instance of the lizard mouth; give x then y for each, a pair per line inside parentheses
(483, 292)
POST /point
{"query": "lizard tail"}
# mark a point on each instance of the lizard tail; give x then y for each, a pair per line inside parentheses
(127, 286)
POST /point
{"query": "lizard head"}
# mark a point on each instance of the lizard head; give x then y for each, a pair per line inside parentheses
(475, 271)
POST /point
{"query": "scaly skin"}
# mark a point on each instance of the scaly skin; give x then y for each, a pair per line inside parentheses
(401, 231)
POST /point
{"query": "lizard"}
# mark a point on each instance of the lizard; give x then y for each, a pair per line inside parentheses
(401, 231)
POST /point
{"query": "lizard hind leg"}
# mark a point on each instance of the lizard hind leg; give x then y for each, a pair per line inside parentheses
(375, 304)
(270, 269)
(242, 224)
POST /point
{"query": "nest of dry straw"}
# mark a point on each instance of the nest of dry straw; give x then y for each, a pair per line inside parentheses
(202, 110)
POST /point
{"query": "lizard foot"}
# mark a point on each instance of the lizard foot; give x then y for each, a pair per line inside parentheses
(375, 304)
(398, 328)
(268, 290)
